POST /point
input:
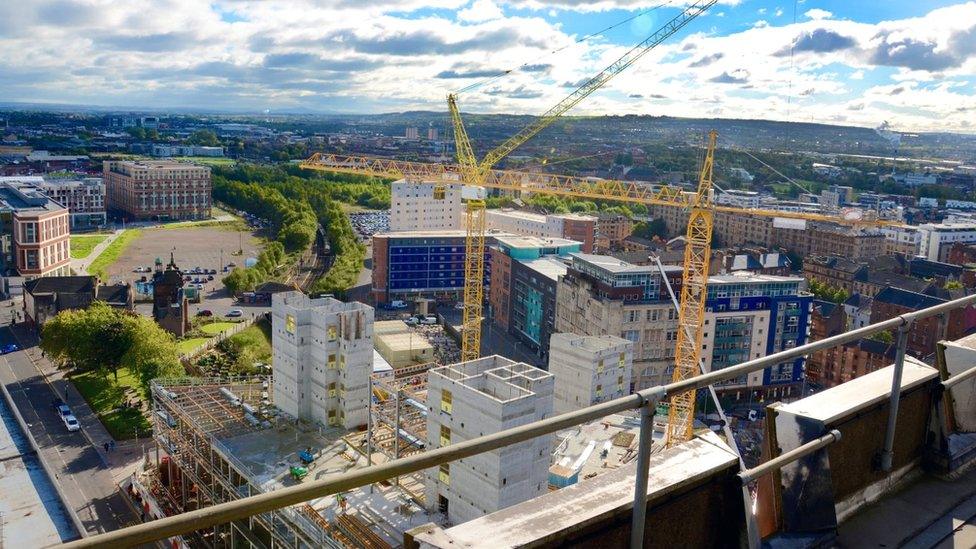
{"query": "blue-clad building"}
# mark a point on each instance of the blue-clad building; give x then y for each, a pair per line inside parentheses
(750, 316)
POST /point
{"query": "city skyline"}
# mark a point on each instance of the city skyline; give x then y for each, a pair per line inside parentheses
(911, 64)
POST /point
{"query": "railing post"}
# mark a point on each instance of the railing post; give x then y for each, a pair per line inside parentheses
(643, 467)
(887, 454)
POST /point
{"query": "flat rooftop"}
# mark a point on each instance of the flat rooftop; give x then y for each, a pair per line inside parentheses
(520, 241)
(582, 448)
(612, 264)
(494, 376)
(743, 276)
(26, 197)
(437, 234)
(549, 267)
(589, 342)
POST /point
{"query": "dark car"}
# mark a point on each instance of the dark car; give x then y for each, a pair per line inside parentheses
(9, 348)
(204, 312)
(210, 277)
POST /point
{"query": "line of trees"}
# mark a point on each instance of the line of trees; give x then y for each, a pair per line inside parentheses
(827, 292)
(285, 189)
(271, 260)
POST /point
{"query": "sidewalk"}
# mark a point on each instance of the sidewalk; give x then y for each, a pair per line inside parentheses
(80, 266)
(127, 456)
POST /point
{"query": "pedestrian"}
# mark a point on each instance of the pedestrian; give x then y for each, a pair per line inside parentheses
(111, 445)
(105, 445)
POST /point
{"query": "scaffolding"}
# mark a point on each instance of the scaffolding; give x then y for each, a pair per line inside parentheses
(397, 425)
(190, 416)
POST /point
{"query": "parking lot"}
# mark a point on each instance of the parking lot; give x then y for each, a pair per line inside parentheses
(192, 247)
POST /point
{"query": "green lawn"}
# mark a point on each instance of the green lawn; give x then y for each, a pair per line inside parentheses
(105, 396)
(111, 254)
(82, 245)
(190, 345)
(215, 328)
(255, 340)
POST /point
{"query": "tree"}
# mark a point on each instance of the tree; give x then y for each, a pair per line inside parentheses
(206, 138)
(104, 339)
(953, 285)
(884, 337)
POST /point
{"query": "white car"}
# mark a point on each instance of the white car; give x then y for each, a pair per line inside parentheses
(70, 423)
(234, 313)
(429, 320)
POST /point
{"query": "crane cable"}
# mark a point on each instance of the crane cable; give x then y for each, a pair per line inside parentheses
(535, 61)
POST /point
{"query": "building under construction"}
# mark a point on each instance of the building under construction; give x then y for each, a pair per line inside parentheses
(223, 440)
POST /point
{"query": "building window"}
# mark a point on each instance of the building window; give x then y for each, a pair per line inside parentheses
(445, 435)
(444, 474)
(446, 401)
(332, 362)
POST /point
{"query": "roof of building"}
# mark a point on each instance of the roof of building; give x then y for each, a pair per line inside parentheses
(859, 301)
(60, 284)
(522, 241)
(835, 262)
(744, 276)
(611, 264)
(928, 268)
(113, 293)
(273, 287)
(588, 342)
(774, 260)
(634, 258)
(744, 262)
(887, 278)
(876, 347)
(549, 267)
(437, 234)
(906, 298)
(826, 308)
(23, 197)
(641, 241)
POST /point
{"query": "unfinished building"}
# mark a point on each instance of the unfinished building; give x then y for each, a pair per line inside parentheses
(323, 356)
(224, 440)
(477, 398)
(589, 369)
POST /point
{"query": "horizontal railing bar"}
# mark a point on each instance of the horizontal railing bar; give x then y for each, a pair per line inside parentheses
(786, 458)
(237, 509)
(959, 378)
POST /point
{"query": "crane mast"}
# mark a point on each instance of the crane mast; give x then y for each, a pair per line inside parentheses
(694, 291)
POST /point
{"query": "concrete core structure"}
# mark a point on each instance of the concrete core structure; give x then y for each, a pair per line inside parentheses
(323, 356)
(589, 369)
(476, 398)
(424, 206)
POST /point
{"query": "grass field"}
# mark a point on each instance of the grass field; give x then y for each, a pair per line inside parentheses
(190, 345)
(215, 328)
(111, 254)
(82, 245)
(105, 396)
(255, 340)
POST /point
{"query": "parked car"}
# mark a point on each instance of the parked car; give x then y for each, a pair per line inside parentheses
(212, 271)
(398, 304)
(204, 312)
(412, 321)
(71, 423)
(210, 278)
(429, 320)
(63, 410)
(9, 348)
(57, 403)
(233, 313)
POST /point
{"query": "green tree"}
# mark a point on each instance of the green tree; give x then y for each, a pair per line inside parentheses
(953, 285)
(884, 337)
(104, 339)
(204, 137)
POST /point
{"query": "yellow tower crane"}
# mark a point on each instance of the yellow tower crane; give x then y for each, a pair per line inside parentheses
(474, 173)
(697, 251)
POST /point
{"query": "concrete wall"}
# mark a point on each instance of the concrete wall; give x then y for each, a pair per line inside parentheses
(588, 369)
(413, 207)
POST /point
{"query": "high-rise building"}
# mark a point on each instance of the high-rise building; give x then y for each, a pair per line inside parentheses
(589, 369)
(412, 133)
(157, 189)
(582, 228)
(935, 239)
(525, 272)
(602, 295)
(425, 207)
(428, 264)
(323, 356)
(432, 134)
(476, 398)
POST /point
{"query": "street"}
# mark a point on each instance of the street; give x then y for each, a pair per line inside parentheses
(81, 472)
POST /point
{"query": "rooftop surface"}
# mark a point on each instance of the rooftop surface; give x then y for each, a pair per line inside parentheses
(582, 448)
(520, 241)
(549, 267)
(590, 342)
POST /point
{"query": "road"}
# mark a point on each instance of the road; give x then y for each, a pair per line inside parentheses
(80, 471)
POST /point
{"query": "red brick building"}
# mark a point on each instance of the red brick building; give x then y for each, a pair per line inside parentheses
(844, 363)
(40, 230)
(157, 190)
(891, 302)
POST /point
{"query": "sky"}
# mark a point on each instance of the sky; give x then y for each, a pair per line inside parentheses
(911, 63)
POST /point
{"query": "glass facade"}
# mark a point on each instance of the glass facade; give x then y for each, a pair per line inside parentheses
(428, 264)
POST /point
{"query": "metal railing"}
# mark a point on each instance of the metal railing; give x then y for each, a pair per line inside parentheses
(644, 401)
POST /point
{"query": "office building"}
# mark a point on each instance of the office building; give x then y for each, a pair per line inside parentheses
(602, 295)
(935, 239)
(582, 228)
(613, 229)
(476, 398)
(589, 369)
(323, 356)
(525, 273)
(83, 196)
(34, 232)
(425, 207)
(157, 190)
(429, 264)
(750, 316)
(901, 239)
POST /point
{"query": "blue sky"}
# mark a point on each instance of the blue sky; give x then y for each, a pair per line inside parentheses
(862, 63)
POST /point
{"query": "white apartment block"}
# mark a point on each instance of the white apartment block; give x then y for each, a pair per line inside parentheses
(738, 198)
(84, 197)
(901, 239)
(935, 239)
(414, 207)
(524, 223)
(589, 369)
(480, 397)
(323, 356)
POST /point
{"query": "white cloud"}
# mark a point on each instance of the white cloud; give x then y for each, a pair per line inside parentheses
(817, 13)
(779, 12)
(480, 10)
(857, 75)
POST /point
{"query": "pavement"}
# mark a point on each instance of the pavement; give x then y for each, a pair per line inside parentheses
(80, 266)
(85, 473)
